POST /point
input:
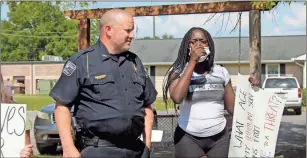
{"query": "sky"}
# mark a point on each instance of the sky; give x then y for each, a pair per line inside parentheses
(283, 20)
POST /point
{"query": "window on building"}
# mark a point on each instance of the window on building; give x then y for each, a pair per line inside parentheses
(150, 70)
(19, 79)
(19, 84)
(272, 70)
(37, 84)
(147, 69)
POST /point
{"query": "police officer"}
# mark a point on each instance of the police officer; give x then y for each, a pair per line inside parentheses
(111, 94)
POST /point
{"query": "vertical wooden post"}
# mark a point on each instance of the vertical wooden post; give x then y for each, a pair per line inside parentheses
(84, 34)
(255, 43)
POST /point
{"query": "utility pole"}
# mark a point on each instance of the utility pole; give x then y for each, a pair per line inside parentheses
(154, 26)
(136, 31)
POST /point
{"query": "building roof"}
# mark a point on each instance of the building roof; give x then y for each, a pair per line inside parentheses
(273, 48)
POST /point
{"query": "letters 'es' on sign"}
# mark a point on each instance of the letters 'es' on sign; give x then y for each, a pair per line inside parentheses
(13, 125)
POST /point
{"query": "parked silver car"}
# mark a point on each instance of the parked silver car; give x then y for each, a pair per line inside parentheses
(45, 131)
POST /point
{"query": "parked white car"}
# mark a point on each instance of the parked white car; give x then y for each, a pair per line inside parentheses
(287, 88)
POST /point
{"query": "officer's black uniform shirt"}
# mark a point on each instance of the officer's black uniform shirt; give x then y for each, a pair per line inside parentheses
(107, 90)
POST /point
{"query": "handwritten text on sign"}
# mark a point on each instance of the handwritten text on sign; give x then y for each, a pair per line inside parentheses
(13, 123)
(256, 120)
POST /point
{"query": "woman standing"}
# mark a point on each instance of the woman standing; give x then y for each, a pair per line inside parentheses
(203, 90)
(6, 97)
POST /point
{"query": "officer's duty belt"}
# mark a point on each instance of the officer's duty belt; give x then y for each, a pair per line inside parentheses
(108, 142)
(96, 141)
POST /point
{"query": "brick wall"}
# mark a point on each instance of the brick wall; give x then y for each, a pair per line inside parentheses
(296, 71)
(41, 70)
(52, 70)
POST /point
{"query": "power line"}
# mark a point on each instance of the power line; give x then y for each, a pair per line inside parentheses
(29, 48)
(14, 35)
(28, 31)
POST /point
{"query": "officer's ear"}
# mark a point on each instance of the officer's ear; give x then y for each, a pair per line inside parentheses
(108, 30)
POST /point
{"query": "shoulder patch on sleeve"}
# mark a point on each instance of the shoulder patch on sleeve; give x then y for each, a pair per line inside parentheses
(69, 68)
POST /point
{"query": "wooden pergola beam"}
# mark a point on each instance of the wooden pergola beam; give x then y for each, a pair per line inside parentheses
(84, 17)
(84, 29)
(177, 9)
(255, 43)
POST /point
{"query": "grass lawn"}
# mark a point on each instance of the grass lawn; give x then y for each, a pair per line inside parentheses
(36, 102)
(47, 156)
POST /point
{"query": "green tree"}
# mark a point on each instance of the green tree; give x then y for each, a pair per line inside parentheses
(149, 38)
(272, 3)
(34, 29)
(94, 33)
(167, 36)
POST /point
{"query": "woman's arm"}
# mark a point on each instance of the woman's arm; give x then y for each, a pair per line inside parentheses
(179, 87)
(229, 98)
(27, 151)
(229, 95)
(27, 137)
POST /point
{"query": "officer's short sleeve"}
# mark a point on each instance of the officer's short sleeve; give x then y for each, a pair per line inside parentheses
(67, 87)
(150, 92)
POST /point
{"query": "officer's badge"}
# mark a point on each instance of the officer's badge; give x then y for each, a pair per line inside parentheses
(100, 77)
(69, 68)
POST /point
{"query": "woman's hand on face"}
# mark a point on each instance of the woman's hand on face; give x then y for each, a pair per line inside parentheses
(27, 151)
(196, 52)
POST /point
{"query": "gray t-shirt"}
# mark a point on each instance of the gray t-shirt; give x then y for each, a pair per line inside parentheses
(202, 110)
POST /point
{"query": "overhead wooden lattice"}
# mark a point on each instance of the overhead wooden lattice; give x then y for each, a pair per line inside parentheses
(177, 9)
(84, 17)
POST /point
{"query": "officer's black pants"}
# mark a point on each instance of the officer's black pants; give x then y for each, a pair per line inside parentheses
(136, 149)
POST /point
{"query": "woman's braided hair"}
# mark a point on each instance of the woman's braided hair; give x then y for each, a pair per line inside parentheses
(183, 58)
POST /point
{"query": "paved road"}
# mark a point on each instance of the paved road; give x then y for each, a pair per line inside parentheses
(291, 138)
(291, 141)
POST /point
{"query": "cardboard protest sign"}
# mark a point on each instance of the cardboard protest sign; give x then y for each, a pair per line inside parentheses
(256, 120)
(13, 125)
